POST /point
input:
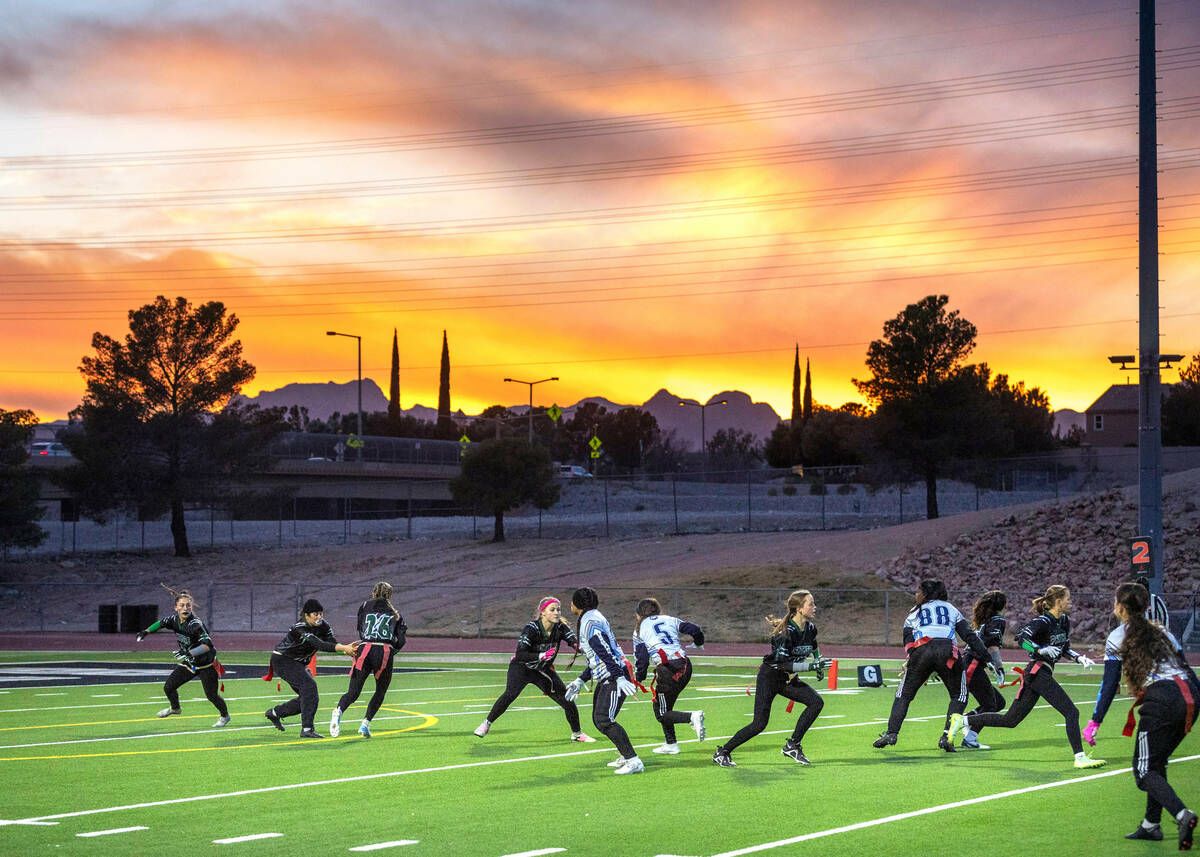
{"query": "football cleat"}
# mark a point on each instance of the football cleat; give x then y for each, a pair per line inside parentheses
(482, 729)
(1151, 834)
(667, 750)
(631, 766)
(582, 738)
(944, 743)
(335, 722)
(167, 712)
(792, 750)
(973, 744)
(617, 762)
(698, 725)
(223, 720)
(274, 718)
(722, 758)
(1083, 760)
(364, 729)
(1187, 828)
(310, 733)
(885, 739)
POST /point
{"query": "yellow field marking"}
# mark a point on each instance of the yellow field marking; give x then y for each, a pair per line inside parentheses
(106, 722)
(427, 720)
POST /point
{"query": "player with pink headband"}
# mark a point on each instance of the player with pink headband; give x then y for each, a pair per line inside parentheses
(533, 663)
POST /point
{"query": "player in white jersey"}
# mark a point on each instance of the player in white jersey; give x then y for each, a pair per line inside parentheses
(929, 631)
(656, 642)
(1156, 672)
(607, 665)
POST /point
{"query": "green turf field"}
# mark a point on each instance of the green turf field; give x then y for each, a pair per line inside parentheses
(96, 760)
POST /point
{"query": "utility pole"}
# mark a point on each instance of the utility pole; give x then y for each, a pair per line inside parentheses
(1149, 397)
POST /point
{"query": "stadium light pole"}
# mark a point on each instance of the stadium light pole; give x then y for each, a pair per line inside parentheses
(359, 339)
(703, 437)
(531, 384)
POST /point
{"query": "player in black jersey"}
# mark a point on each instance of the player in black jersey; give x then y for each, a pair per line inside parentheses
(988, 619)
(1047, 638)
(382, 632)
(196, 654)
(533, 663)
(290, 660)
(793, 650)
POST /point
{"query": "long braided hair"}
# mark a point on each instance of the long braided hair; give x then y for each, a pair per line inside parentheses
(383, 591)
(1146, 645)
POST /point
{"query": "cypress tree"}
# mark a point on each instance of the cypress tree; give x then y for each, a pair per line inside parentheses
(443, 421)
(808, 403)
(797, 408)
(394, 387)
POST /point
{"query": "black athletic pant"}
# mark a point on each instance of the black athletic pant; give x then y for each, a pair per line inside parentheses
(770, 684)
(208, 680)
(670, 679)
(298, 677)
(979, 684)
(1037, 682)
(936, 656)
(547, 682)
(606, 703)
(374, 663)
(1160, 729)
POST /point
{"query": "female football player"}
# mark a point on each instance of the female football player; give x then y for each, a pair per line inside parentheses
(196, 654)
(607, 665)
(1156, 672)
(290, 660)
(793, 650)
(537, 646)
(382, 631)
(988, 619)
(657, 641)
(929, 633)
(1046, 638)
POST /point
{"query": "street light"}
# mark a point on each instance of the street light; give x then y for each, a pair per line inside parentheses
(359, 338)
(703, 438)
(530, 383)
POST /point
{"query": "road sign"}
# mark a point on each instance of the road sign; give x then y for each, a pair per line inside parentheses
(595, 444)
(554, 412)
(355, 442)
(464, 439)
(595, 454)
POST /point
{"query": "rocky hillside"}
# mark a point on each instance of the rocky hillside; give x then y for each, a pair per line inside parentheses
(1082, 543)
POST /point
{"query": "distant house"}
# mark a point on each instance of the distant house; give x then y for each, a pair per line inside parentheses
(1112, 420)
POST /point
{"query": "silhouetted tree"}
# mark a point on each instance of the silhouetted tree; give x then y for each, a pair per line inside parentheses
(148, 400)
(445, 424)
(808, 399)
(19, 489)
(499, 475)
(832, 438)
(779, 449)
(393, 410)
(1181, 408)
(627, 434)
(913, 367)
(797, 401)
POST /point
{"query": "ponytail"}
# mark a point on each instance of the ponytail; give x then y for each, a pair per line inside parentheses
(989, 604)
(1053, 595)
(383, 592)
(795, 601)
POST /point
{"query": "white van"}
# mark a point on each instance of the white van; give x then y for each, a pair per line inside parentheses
(573, 471)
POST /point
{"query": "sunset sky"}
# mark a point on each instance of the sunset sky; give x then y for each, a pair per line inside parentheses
(628, 195)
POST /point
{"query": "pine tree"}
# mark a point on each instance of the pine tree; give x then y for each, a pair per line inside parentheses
(808, 403)
(445, 426)
(394, 390)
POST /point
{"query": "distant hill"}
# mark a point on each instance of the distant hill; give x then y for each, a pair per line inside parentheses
(1065, 419)
(741, 412)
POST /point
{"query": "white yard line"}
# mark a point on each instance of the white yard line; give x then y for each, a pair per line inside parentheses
(537, 853)
(875, 822)
(110, 832)
(381, 845)
(253, 836)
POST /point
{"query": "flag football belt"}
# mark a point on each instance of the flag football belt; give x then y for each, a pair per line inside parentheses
(362, 658)
(1189, 699)
(916, 644)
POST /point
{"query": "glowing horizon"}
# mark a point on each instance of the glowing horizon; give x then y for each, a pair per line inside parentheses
(629, 198)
